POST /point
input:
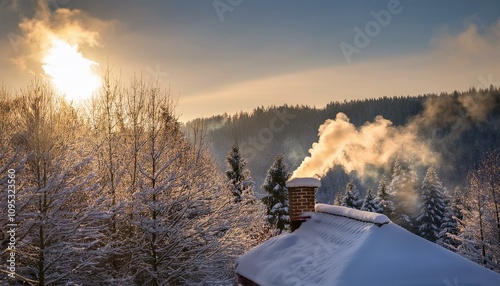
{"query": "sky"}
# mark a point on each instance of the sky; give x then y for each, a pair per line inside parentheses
(221, 56)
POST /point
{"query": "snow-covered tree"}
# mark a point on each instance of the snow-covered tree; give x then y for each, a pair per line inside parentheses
(478, 228)
(239, 180)
(489, 173)
(472, 230)
(59, 210)
(432, 207)
(370, 202)
(352, 198)
(403, 191)
(162, 200)
(449, 228)
(276, 200)
(338, 199)
(384, 203)
(251, 212)
(110, 159)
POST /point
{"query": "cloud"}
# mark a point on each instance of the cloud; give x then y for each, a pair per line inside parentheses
(74, 26)
(470, 44)
(453, 62)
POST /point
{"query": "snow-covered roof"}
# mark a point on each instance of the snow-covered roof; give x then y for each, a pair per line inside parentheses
(376, 218)
(349, 247)
(303, 182)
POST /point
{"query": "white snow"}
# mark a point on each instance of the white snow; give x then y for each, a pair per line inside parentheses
(365, 216)
(303, 182)
(338, 250)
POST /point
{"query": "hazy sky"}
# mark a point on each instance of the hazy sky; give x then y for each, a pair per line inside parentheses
(229, 55)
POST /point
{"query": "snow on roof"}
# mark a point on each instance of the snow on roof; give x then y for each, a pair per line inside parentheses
(336, 249)
(303, 182)
(378, 219)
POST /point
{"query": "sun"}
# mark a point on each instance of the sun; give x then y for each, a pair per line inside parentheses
(71, 73)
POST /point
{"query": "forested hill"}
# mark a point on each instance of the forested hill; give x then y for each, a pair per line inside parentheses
(455, 133)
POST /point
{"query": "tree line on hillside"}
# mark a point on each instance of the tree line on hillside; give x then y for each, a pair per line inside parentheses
(291, 131)
(114, 193)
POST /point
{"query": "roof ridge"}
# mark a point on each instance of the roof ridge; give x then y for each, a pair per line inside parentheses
(379, 224)
(355, 214)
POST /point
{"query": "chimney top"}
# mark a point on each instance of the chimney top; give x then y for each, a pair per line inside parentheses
(303, 182)
(301, 199)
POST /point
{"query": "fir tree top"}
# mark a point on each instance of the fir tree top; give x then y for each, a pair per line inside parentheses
(239, 180)
(276, 199)
(370, 203)
(277, 176)
(432, 208)
(352, 198)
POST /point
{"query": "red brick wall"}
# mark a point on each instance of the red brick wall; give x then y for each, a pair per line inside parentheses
(301, 199)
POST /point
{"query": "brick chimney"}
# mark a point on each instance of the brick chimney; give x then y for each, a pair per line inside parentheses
(301, 196)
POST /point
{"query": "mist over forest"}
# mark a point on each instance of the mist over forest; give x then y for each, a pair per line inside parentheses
(455, 130)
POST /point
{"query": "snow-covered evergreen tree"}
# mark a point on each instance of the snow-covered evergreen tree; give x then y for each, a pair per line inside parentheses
(449, 228)
(352, 198)
(432, 207)
(370, 202)
(251, 212)
(239, 180)
(384, 203)
(403, 190)
(276, 199)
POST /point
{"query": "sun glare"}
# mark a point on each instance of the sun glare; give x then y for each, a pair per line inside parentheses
(71, 73)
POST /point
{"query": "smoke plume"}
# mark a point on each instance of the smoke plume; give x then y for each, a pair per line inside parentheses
(375, 143)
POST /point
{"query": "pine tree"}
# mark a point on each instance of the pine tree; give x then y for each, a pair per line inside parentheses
(239, 180)
(351, 198)
(370, 203)
(384, 203)
(403, 189)
(276, 199)
(432, 207)
(251, 212)
(449, 228)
